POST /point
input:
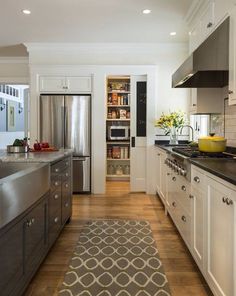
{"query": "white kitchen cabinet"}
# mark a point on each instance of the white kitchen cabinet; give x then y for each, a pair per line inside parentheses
(221, 238)
(207, 21)
(194, 37)
(197, 226)
(65, 84)
(200, 105)
(222, 10)
(232, 58)
(161, 174)
(52, 84)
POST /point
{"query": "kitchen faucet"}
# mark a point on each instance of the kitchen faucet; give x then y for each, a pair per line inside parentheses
(190, 128)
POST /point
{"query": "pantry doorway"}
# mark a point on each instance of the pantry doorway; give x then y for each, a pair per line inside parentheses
(126, 133)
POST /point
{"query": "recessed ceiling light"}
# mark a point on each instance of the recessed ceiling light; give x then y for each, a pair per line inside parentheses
(172, 33)
(26, 11)
(146, 11)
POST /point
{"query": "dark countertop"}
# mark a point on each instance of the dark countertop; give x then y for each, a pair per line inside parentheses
(222, 168)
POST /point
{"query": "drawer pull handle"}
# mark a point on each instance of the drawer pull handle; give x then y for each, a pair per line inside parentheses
(174, 204)
(191, 196)
(184, 218)
(196, 179)
(56, 196)
(56, 183)
(229, 201)
(183, 188)
(66, 185)
(66, 204)
(56, 219)
(224, 199)
(174, 179)
(66, 174)
(56, 170)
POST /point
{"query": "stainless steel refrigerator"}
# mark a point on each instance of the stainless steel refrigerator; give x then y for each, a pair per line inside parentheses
(65, 122)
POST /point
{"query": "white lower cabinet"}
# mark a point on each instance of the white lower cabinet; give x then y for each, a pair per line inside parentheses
(221, 238)
(161, 173)
(197, 226)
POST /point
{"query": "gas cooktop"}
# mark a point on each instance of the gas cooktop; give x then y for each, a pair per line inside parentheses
(193, 152)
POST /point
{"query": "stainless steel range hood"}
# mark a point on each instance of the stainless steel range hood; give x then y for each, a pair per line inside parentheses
(208, 65)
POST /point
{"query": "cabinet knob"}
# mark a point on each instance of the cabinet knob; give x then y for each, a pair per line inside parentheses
(56, 196)
(174, 204)
(183, 218)
(224, 199)
(194, 105)
(66, 204)
(66, 185)
(158, 154)
(183, 188)
(196, 179)
(56, 219)
(174, 179)
(67, 163)
(191, 196)
(209, 25)
(230, 92)
(229, 201)
(168, 174)
(29, 223)
(66, 174)
(56, 183)
(56, 170)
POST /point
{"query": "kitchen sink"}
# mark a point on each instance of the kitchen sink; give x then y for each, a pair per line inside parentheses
(21, 185)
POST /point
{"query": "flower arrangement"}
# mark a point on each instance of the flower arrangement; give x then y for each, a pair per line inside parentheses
(172, 120)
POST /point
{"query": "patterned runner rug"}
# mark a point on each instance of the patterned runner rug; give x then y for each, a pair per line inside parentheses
(115, 258)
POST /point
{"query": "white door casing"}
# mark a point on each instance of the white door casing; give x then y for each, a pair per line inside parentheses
(137, 153)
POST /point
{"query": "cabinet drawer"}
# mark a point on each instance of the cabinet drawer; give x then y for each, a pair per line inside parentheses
(184, 222)
(54, 202)
(66, 208)
(197, 179)
(183, 195)
(66, 174)
(54, 226)
(55, 183)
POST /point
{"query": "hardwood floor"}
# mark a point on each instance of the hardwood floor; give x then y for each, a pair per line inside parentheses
(182, 273)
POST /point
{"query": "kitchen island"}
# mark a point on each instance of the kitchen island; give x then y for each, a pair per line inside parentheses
(33, 216)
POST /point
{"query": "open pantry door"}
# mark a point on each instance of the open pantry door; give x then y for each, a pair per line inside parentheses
(138, 133)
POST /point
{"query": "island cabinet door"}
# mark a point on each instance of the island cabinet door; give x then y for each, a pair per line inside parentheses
(11, 259)
(221, 237)
(35, 236)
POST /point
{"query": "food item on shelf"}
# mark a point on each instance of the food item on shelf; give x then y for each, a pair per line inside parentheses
(126, 169)
(114, 99)
(37, 146)
(128, 114)
(113, 114)
(116, 152)
(119, 170)
(109, 152)
(109, 101)
(123, 114)
(109, 114)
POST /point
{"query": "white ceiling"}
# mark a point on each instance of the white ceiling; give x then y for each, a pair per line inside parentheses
(92, 21)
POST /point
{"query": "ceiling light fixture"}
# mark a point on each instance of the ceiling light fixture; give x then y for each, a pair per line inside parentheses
(172, 33)
(146, 11)
(26, 11)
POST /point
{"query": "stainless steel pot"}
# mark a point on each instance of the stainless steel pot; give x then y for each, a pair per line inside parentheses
(17, 149)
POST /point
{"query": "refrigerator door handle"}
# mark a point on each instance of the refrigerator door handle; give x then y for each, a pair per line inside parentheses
(63, 129)
(65, 125)
(79, 158)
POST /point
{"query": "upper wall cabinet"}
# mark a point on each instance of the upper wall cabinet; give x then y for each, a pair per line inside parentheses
(232, 58)
(65, 84)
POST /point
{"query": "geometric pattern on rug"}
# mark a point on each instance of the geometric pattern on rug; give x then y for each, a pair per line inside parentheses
(115, 258)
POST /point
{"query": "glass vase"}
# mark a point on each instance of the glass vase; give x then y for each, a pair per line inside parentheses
(173, 136)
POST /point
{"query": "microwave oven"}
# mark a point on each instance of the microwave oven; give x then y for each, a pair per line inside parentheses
(116, 132)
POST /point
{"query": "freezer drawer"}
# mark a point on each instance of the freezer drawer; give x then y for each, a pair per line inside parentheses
(81, 174)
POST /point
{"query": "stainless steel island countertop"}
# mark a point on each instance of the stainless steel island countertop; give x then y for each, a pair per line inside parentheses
(32, 157)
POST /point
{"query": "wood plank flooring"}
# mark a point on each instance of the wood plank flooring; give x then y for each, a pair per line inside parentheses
(183, 275)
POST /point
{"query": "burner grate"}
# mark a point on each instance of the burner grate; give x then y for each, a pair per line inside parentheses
(193, 152)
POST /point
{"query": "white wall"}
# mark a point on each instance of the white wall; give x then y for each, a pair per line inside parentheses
(157, 61)
(7, 138)
(14, 70)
